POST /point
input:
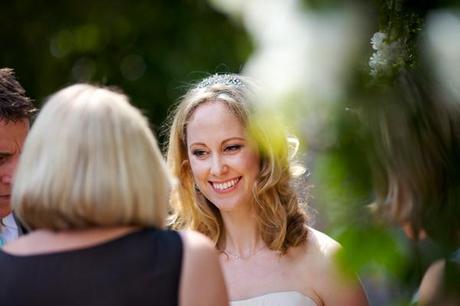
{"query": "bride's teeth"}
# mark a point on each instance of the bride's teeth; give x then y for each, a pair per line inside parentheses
(225, 185)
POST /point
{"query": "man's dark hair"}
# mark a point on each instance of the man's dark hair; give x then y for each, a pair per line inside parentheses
(14, 104)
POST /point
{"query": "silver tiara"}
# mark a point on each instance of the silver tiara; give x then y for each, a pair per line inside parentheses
(224, 79)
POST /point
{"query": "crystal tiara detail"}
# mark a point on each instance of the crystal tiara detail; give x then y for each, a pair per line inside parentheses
(224, 79)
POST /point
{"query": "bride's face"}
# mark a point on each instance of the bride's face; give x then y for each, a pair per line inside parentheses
(224, 164)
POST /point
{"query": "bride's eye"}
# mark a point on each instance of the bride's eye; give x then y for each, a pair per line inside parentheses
(199, 152)
(233, 148)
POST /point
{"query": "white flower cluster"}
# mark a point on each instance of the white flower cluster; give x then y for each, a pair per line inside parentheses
(385, 55)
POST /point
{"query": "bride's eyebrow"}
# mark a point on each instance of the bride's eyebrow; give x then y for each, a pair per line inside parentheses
(233, 139)
(197, 144)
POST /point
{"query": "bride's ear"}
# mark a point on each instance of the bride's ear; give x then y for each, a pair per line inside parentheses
(185, 165)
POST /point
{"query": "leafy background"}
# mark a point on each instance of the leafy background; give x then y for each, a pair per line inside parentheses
(150, 49)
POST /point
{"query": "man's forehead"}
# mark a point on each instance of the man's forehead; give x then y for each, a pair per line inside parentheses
(13, 132)
(19, 124)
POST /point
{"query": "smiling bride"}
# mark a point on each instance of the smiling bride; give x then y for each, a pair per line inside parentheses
(236, 189)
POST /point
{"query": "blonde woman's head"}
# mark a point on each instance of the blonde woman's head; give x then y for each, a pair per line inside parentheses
(90, 160)
(277, 209)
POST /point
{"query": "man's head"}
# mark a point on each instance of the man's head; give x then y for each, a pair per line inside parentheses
(16, 110)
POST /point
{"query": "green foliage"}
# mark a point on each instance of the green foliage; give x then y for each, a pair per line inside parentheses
(322, 4)
(371, 247)
(342, 176)
(401, 21)
(150, 49)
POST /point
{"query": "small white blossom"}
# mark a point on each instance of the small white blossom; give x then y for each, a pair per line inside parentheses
(385, 55)
(377, 40)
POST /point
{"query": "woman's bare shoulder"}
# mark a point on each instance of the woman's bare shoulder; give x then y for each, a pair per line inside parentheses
(320, 244)
(331, 284)
(316, 256)
(201, 261)
(195, 241)
(431, 285)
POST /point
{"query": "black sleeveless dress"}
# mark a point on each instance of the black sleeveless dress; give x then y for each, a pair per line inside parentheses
(140, 268)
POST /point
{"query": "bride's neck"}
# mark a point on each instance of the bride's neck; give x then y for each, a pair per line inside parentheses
(241, 234)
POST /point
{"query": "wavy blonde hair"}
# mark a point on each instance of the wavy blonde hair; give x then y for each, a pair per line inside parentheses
(281, 219)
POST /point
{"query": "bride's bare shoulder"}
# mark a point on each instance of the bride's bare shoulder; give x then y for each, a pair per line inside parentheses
(321, 244)
(317, 254)
(320, 264)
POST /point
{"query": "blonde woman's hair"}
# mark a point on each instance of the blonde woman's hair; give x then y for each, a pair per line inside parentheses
(280, 217)
(90, 160)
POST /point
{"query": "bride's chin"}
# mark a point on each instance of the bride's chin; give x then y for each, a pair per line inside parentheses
(226, 207)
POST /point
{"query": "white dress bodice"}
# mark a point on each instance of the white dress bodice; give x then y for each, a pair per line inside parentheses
(284, 298)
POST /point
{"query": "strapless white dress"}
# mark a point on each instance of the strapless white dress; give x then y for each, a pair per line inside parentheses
(284, 298)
